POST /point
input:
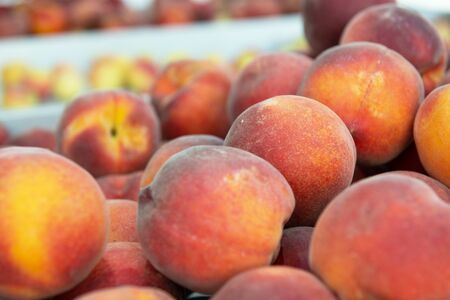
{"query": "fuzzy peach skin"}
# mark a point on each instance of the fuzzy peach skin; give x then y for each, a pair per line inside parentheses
(48, 204)
(4, 135)
(128, 293)
(307, 142)
(190, 97)
(267, 76)
(124, 186)
(385, 237)
(405, 32)
(36, 137)
(294, 248)
(324, 20)
(123, 263)
(374, 90)
(109, 132)
(231, 206)
(122, 220)
(432, 134)
(172, 147)
(440, 189)
(274, 283)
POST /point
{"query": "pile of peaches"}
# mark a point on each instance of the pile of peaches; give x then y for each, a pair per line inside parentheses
(43, 17)
(24, 86)
(324, 178)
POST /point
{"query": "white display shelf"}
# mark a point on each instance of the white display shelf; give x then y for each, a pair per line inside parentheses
(227, 39)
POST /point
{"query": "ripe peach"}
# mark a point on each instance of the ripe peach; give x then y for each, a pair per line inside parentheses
(170, 12)
(253, 8)
(66, 82)
(4, 135)
(432, 134)
(123, 263)
(205, 9)
(13, 21)
(267, 76)
(171, 148)
(122, 220)
(109, 132)
(128, 293)
(125, 186)
(294, 248)
(232, 217)
(141, 75)
(274, 283)
(109, 72)
(324, 20)
(306, 142)
(37, 137)
(190, 97)
(406, 32)
(48, 204)
(441, 190)
(374, 90)
(19, 97)
(46, 17)
(38, 81)
(385, 237)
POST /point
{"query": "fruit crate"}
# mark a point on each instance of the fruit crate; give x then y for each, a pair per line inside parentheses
(225, 39)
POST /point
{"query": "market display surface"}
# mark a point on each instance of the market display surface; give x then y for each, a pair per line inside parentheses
(318, 173)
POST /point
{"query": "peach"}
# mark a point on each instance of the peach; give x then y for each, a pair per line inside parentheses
(267, 76)
(84, 14)
(122, 220)
(4, 135)
(441, 190)
(38, 81)
(294, 248)
(109, 132)
(123, 263)
(142, 74)
(205, 9)
(48, 204)
(405, 32)
(191, 97)
(385, 237)
(109, 72)
(13, 21)
(306, 142)
(292, 6)
(66, 82)
(19, 97)
(239, 9)
(171, 148)
(128, 293)
(47, 17)
(374, 90)
(125, 186)
(244, 59)
(432, 134)
(170, 12)
(36, 137)
(231, 206)
(125, 17)
(324, 20)
(274, 283)
(14, 73)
